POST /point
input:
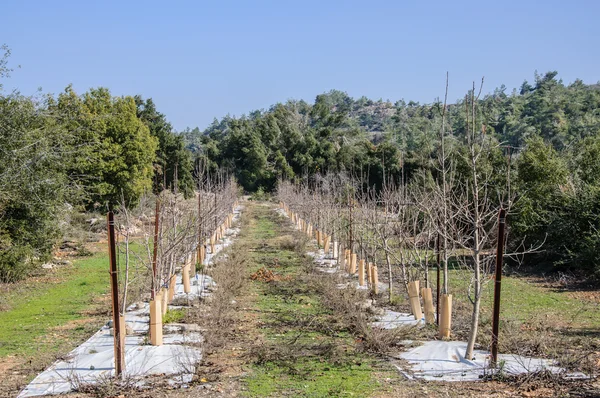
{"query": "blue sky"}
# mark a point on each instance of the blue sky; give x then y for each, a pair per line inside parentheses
(204, 59)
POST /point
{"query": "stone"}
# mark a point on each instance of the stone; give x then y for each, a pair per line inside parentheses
(191, 327)
(365, 305)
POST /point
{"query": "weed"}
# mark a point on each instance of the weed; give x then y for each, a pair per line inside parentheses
(173, 316)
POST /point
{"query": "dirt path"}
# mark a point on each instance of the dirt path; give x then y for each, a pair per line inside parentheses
(277, 336)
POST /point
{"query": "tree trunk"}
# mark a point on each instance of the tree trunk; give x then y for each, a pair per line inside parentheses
(389, 265)
(475, 314)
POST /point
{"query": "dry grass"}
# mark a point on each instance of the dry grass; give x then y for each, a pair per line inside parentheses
(229, 272)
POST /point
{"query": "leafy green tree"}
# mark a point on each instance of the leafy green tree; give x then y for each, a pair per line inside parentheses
(173, 165)
(33, 184)
(115, 151)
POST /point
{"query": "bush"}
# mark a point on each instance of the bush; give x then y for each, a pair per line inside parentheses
(15, 263)
(260, 194)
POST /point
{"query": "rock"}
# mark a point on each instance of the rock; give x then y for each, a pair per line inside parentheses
(47, 266)
(128, 330)
(376, 310)
(365, 305)
(68, 246)
(191, 327)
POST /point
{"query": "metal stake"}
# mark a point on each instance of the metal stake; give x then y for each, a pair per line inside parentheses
(498, 285)
(114, 285)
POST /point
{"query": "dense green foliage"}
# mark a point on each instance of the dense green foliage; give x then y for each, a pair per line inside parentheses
(114, 149)
(547, 134)
(173, 161)
(75, 152)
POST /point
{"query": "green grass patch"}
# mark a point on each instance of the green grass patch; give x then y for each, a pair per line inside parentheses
(28, 327)
(522, 300)
(310, 377)
(173, 316)
(42, 315)
(306, 353)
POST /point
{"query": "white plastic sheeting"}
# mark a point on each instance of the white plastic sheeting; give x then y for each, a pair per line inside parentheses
(93, 360)
(392, 319)
(445, 361)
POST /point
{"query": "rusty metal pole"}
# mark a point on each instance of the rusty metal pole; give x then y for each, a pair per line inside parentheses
(351, 234)
(200, 242)
(437, 297)
(114, 286)
(155, 246)
(215, 209)
(498, 285)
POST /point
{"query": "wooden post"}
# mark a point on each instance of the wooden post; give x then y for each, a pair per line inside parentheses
(122, 336)
(172, 286)
(353, 263)
(428, 304)
(185, 276)
(375, 278)
(114, 287)
(498, 285)
(156, 321)
(164, 297)
(446, 316)
(361, 272)
(415, 303)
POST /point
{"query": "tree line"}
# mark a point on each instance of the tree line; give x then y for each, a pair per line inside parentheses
(94, 151)
(542, 145)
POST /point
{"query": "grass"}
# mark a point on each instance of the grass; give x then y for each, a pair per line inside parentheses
(306, 353)
(522, 301)
(311, 378)
(29, 326)
(53, 313)
(173, 316)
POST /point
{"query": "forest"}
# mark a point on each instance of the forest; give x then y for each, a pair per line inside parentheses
(539, 145)
(78, 152)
